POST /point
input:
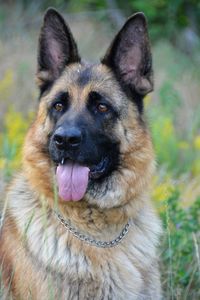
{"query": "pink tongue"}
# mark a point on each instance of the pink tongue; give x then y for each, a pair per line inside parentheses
(72, 181)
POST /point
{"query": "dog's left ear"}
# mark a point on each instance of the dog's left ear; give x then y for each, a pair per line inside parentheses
(56, 50)
(129, 56)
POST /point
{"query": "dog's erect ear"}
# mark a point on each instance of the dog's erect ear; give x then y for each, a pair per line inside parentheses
(57, 48)
(129, 56)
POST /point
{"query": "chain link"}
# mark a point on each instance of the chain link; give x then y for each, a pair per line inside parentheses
(89, 240)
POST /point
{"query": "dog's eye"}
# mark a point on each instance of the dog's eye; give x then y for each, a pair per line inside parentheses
(97, 103)
(103, 108)
(58, 106)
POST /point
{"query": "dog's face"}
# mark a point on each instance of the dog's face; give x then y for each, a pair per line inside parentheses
(91, 115)
(84, 115)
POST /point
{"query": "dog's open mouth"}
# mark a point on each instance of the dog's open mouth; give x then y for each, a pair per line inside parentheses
(97, 171)
(72, 178)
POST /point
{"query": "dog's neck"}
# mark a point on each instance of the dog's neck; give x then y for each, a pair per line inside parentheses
(99, 223)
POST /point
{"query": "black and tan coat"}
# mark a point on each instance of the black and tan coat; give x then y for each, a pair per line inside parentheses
(40, 258)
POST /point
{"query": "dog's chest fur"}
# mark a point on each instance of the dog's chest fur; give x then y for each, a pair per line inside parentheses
(65, 268)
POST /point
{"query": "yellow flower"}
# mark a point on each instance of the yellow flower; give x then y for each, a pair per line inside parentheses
(196, 167)
(161, 193)
(147, 100)
(15, 128)
(197, 142)
(6, 84)
(183, 145)
(2, 163)
(168, 128)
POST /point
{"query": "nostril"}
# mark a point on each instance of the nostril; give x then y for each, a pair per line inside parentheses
(74, 140)
(67, 138)
(58, 140)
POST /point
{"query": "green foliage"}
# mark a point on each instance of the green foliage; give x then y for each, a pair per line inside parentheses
(175, 138)
(162, 123)
(181, 265)
(93, 5)
(11, 139)
(178, 151)
(72, 6)
(169, 98)
(167, 17)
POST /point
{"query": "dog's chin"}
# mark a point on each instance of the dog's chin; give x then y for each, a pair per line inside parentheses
(101, 183)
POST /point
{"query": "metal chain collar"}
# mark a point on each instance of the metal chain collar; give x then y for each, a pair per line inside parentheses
(89, 240)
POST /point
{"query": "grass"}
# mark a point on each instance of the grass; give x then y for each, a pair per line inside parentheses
(173, 111)
(180, 249)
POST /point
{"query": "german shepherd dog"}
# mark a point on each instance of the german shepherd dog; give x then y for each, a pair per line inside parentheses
(79, 223)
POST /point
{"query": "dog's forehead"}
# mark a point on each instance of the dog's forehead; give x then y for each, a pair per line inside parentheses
(80, 79)
(83, 75)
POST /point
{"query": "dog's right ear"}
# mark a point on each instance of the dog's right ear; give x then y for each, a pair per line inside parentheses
(57, 49)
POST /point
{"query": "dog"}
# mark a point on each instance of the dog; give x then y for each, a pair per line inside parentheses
(78, 222)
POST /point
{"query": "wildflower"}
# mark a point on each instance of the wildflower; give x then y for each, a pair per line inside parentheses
(183, 145)
(6, 84)
(197, 142)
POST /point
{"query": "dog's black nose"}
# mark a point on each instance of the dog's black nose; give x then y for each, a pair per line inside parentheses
(65, 138)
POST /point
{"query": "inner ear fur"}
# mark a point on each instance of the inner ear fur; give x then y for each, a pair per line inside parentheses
(56, 49)
(129, 56)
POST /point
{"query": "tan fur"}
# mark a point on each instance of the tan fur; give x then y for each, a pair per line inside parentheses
(40, 259)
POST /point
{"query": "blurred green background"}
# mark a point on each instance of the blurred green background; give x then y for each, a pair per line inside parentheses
(172, 110)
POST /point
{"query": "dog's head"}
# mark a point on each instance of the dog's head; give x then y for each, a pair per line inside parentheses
(90, 116)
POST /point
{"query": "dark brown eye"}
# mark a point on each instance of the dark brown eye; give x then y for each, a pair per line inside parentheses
(59, 107)
(103, 108)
